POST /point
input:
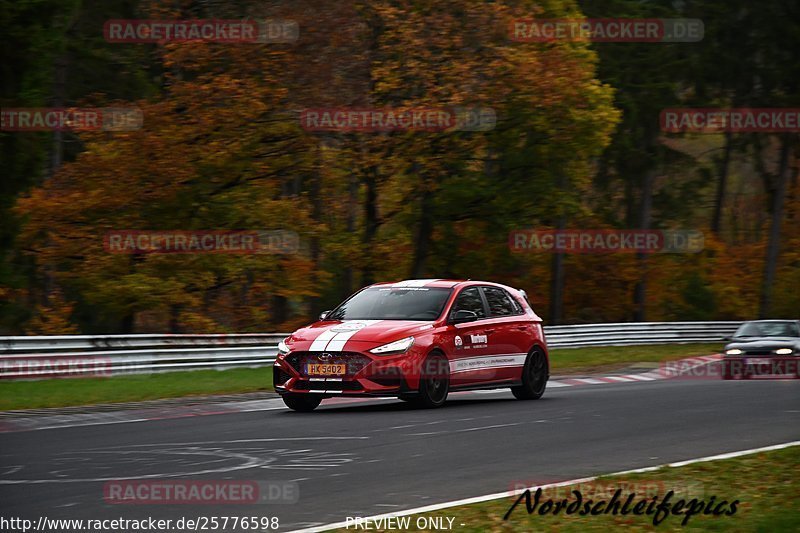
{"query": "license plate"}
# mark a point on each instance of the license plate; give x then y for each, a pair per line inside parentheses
(752, 361)
(324, 369)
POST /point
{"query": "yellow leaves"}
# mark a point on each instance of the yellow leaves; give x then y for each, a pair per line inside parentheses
(52, 318)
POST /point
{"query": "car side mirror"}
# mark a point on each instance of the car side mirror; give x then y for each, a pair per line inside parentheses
(727, 338)
(323, 314)
(464, 316)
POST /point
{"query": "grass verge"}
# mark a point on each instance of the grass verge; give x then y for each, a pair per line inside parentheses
(83, 391)
(577, 359)
(765, 484)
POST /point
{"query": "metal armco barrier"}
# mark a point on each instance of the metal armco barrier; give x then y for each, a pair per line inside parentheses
(630, 334)
(107, 355)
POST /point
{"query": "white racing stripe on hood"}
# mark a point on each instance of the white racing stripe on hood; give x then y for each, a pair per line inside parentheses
(321, 342)
(334, 339)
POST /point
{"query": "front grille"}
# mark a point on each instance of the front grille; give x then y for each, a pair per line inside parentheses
(327, 385)
(355, 361)
(757, 351)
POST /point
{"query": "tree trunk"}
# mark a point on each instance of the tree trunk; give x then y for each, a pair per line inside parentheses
(557, 266)
(315, 247)
(370, 224)
(280, 310)
(557, 286)
(722, 183)
(423, 236)
(352, 204)
(640, 291)
(773, 245)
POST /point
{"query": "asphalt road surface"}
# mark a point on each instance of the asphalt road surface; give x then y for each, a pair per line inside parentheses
(374, 457)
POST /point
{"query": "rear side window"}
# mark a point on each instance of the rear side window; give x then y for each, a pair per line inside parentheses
(470, 300)
(500, 303)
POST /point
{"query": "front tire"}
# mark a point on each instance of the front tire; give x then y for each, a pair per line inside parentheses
(434, 383)
(303, 403)
(534, 377)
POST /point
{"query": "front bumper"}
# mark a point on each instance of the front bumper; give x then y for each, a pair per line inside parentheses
(366, 374)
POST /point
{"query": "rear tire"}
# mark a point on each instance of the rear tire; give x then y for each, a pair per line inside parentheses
(434, 383)
(303, 403)
(534, 377)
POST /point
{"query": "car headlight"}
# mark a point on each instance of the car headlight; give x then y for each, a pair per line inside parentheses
(733, 351)
(282, 348)
(394, 347)
(784, 351)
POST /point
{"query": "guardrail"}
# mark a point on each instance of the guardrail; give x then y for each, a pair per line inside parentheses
(106, 355)
(630, 334)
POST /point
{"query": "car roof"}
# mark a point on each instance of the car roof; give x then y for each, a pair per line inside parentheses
(435, 283)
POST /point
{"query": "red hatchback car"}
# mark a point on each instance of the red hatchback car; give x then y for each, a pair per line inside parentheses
(416, 340)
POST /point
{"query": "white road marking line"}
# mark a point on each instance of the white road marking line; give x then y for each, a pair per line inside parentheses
(590, 381)
(619, 378)
(465, 430)
(90, 424)
(500, 495)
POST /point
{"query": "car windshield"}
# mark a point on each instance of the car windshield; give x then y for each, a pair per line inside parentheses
(389, 303)
(768, 329)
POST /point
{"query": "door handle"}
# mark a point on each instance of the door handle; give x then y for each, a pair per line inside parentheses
(487, 331)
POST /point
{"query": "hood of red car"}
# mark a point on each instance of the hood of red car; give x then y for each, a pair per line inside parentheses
(356, 335)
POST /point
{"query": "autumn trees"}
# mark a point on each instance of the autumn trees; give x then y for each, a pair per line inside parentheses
(575, 143)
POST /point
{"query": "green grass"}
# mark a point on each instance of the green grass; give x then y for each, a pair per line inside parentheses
(765, 484)
(83, 391)
(605, 357)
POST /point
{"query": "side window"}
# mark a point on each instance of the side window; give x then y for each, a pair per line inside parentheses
(500, 303)
(470, 300)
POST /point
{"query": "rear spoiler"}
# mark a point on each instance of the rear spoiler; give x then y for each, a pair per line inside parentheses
(524, 295)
